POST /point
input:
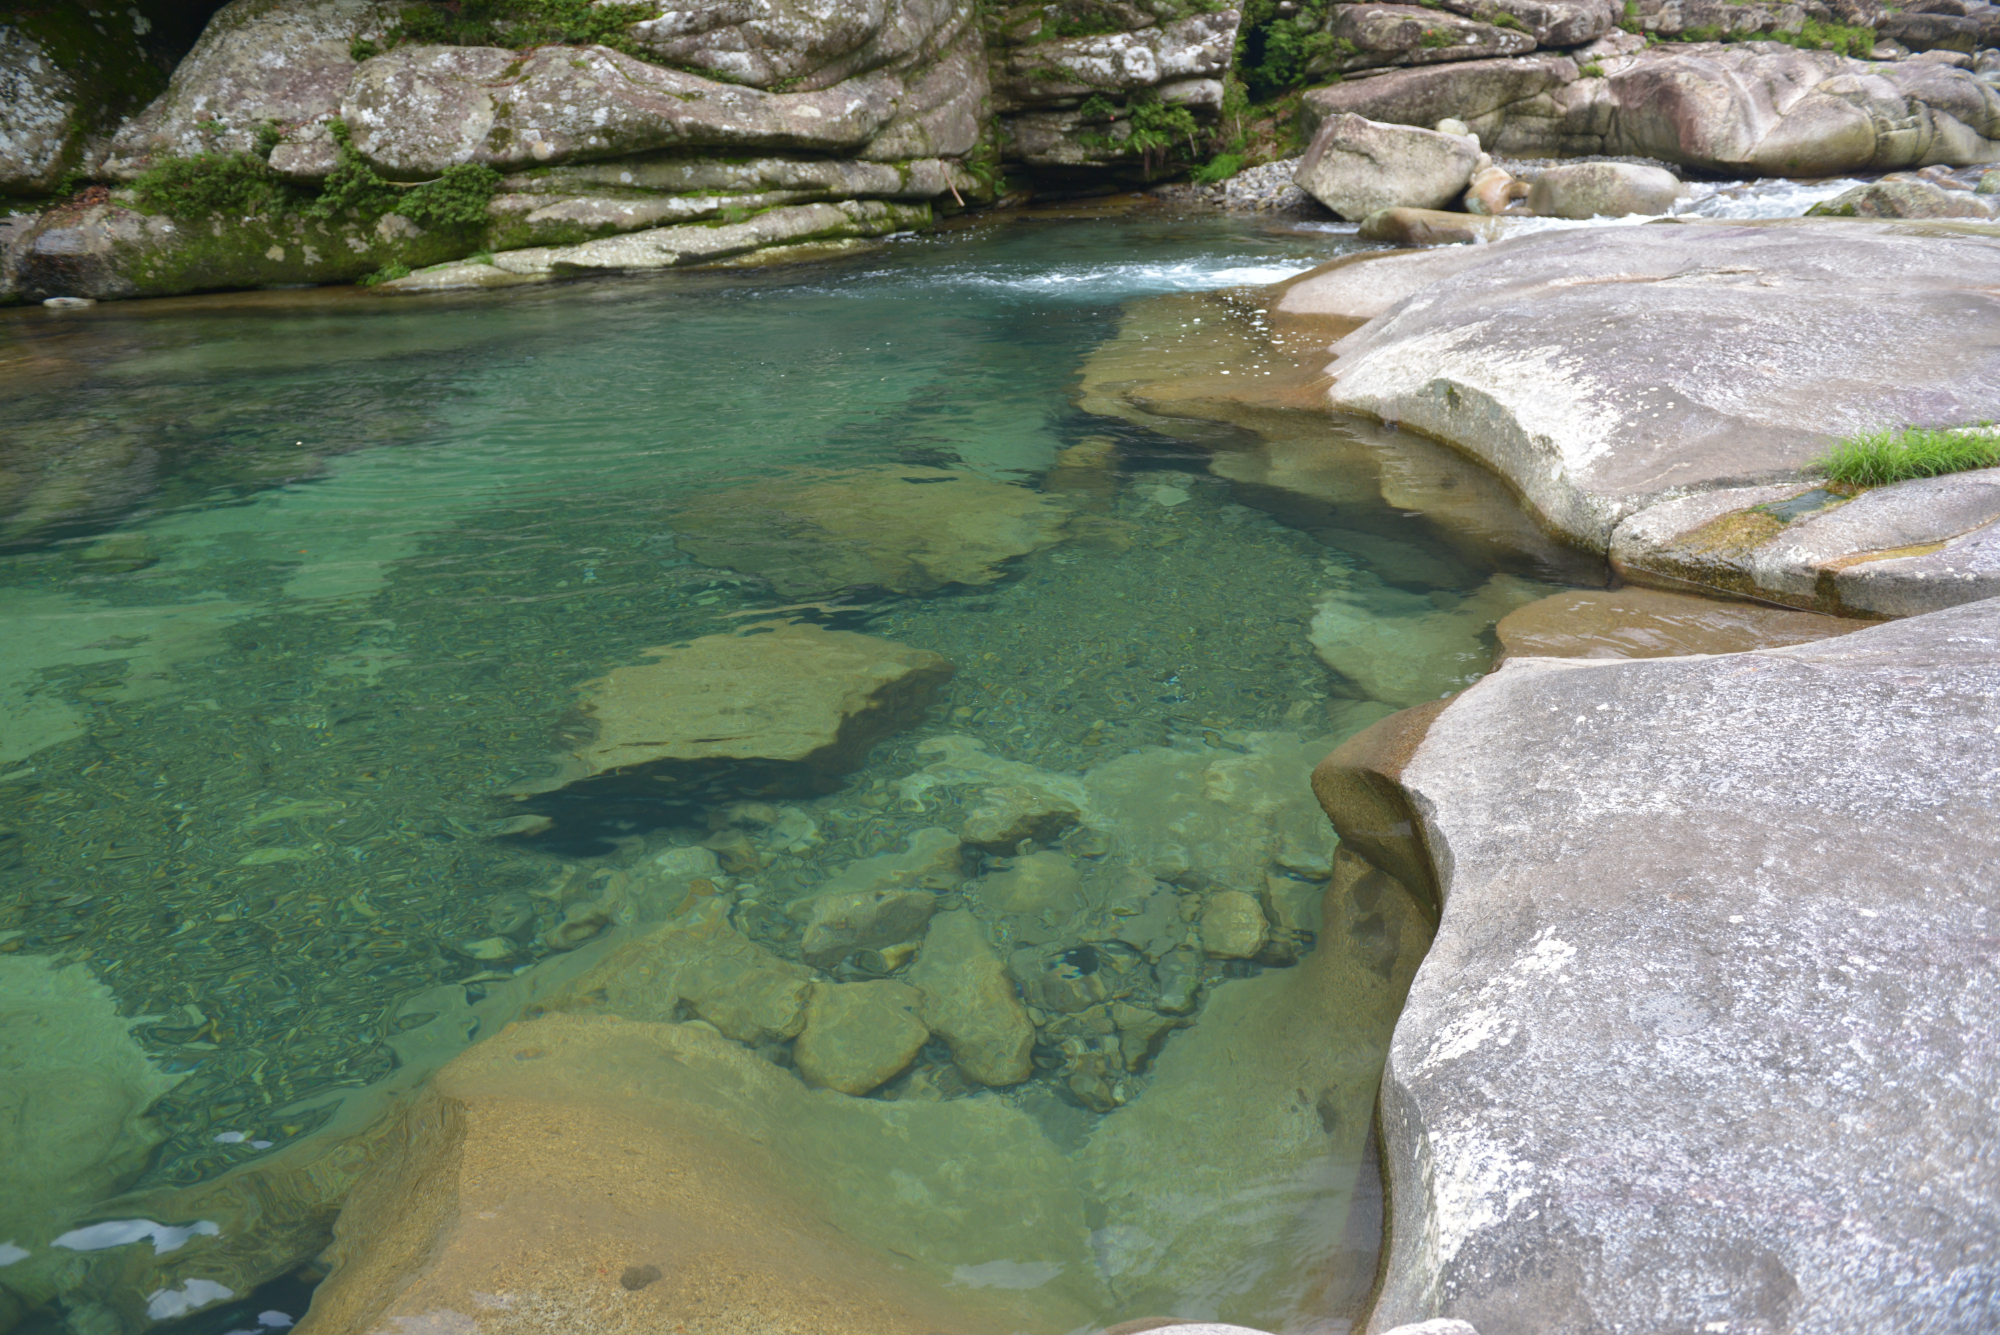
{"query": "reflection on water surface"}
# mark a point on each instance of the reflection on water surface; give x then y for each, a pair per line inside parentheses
(298, 588)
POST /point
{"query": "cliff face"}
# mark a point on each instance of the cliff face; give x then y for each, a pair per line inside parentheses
(312, 141)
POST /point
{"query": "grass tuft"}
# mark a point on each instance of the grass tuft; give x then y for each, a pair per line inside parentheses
(1883, 457)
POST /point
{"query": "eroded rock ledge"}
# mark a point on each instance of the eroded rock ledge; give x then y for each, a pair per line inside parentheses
(1703, 1042)
(1660, 393)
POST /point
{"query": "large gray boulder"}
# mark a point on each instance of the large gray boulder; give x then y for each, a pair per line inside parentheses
(1705, 1038)
(807, 44)
(258, 61)
(1356, 167)
(1603, 371)
(1747, 108)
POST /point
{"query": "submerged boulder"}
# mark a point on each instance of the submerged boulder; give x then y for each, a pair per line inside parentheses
(911, 530)
(586, 1172)
(1652, 623)
(783, 692)
(1707, 1005)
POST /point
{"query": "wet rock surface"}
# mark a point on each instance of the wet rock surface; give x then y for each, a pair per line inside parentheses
(911, 530)
(1651, 623)
(1757, 874)
(786, 692)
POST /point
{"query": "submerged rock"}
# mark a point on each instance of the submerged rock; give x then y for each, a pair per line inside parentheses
(1650, 623)
(910, 530)
(1237, 1186)
(878, 901)
(858, 1034)
(550, 1159)
(809, 699)
(969, 1001)
(1403, 648)
(1233, 926)
(75, 1088)
(1714, 898)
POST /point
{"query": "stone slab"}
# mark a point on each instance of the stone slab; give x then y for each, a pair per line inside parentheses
(1704, 1042)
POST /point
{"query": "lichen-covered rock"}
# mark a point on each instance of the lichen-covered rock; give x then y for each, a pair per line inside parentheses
(258, 61)
(66, 76)
(1356, 167)
(1372, 35)
(968, 1000)
(1705, 897)
(1196, 47)
(112, 250)
(1548, 22)
(778, 231)
(784, 692)
(419, 109)
(802, 43)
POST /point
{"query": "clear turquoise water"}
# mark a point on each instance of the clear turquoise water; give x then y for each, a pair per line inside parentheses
(341, 563)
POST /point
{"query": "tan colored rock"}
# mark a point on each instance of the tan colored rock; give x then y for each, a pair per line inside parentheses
(785, 692)
(1233, 926)
(878, 901)
(1650, 623)
(1403, 648)
(1292, 910)
(550, 1170)
(839, 924)
(1358, 166)
(1005, 814)
(1427, 227)
(910, 530)
(968, 1000)
(1042, 885)
(698, 958)
(859, 1034)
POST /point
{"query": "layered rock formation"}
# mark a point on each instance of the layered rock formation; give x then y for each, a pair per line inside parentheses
(1701, 1038)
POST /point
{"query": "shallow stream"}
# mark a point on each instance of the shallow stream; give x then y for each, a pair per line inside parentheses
(319, 576)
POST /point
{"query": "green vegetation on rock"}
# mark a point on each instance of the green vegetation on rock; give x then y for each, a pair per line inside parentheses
(243, 185)
(1882, 457)
(516, 24)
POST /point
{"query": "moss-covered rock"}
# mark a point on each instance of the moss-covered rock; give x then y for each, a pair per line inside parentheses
(113, 250)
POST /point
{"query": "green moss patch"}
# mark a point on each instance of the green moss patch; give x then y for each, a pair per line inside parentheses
(515, 24)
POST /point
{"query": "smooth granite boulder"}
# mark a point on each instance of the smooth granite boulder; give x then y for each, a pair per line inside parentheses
(1602, 190)
(1704, 1041)
(1602, 371)
(1357, 167)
